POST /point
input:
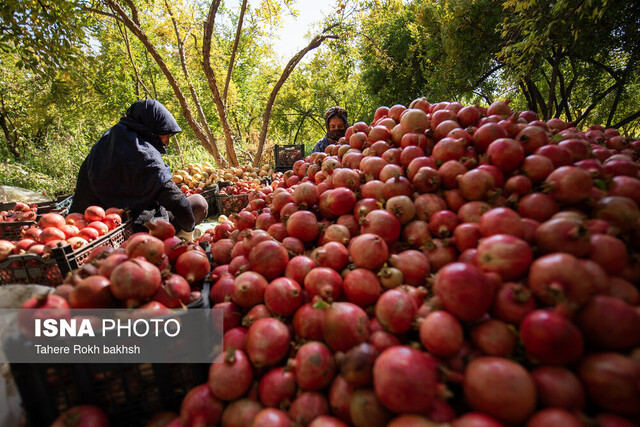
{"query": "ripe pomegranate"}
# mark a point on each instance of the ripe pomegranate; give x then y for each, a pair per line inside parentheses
(441, 334)
(464, 290)
(494, 337)
(303, 225)
(558, 387)
(240, 413)
(283, 296)
(559, 278)
(366, 409)
(193, 265)
(611, 381)
(230, 375)
(269, 258)
(82, 415)
(395, 310)
(500, 388)
(368, 251)
(135, 279)
(405, 379)
(314, 366)
(609, 323)
(249, 289)
(308, 406)
(569, 184)
(550, 338)
(504, 254)
(267, 342)
(361, 287)
(200, 407)
(344, 326)
(277, 386)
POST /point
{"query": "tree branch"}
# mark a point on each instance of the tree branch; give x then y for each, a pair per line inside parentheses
(627, 119)
(210, 142)
(288, 69)
(594, 103)
(236, 43)
(213, 85)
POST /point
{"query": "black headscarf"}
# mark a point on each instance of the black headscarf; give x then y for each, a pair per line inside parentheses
(125, 167)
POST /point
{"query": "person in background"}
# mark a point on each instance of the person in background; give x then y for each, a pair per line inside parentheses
(336, 121)
(125, 169)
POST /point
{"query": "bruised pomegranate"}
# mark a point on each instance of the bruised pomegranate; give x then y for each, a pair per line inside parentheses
(314, 366)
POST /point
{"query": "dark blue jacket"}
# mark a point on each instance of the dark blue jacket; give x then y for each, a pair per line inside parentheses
(125, 169)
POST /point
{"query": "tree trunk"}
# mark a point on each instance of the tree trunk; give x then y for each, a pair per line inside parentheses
(213, 85)
(552, 85)
(236, 42)
(11, 143)
(135, 29)
(288, 69)
(212, 147)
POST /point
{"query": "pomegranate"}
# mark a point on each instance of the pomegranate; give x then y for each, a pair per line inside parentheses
(230, 375)
(611, 381)
(267, 342)
(494, 337)
(500, 388)
(283, 296)
(344, 325)
(269, 258)
(135, 279)
(395, 310)
(559, 278)
(277, 386)
(609, 323)
(298, 267)
(271, 417)
(82, 416)
(558, 387)
(405, 379)
(513, 301)
(249, 289)
(504, 254)
(94, 213)
(307, 321)
(464, 290)
(314, 366)
(361, 287)
(303, 225)
(413, 264)
(92, 292)
(200, 407)
(308, 406)
(240, 413)
(368, 251)
(366, 409)
(569, 184)
(193, 265)
(441, 334)
(550, 338)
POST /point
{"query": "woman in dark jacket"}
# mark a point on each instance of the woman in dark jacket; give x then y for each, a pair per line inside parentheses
(125, 169)
(336, 121)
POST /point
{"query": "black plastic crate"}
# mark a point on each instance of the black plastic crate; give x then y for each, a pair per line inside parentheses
(130, 394)
(287, 155)
(229, 204)
(30, 269)
(60, 205)
(12, 230)
(68, 259)
(210, 196)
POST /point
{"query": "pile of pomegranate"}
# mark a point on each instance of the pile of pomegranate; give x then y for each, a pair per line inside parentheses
(444, 264)
(151, 270)
(75, 229)
(20, 212)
